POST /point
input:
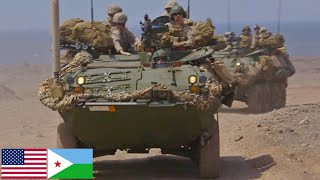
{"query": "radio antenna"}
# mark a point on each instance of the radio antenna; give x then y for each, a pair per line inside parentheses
(91, 11)
(279, 14)
(229, 14)
(189, 9)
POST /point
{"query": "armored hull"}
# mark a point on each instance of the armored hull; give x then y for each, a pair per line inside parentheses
(115, 102)
(261, 77)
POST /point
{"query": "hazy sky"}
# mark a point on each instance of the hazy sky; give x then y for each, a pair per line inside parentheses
(35, 14)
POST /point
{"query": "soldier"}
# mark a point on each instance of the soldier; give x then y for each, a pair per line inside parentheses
(264, 33)
(122, 37)
(246, 37)
(255, 37)
(229, 38)
(168, 7)
(180, 34)
(160, 58)
(112, 10)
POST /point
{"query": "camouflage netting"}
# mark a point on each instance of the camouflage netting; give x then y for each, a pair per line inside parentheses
(80, 59)
(203, 32)
(67, 27)
(271, 41)
(83, 58)
(219, 42)
(96, 33)
(263, 69)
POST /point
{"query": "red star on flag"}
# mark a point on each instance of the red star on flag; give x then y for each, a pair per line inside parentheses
(57, 164)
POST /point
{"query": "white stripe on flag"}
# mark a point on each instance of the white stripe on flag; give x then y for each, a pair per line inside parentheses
(18, 166)
(35, 152)
(24, 175)
(23, 170)
(35, 161)
(31, 156)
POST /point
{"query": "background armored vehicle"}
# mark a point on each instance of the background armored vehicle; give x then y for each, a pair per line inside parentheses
(261, 76)
(130, 103)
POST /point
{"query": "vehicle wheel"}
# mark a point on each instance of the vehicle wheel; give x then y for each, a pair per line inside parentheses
(258, 100)
(65, 137)
(209, 160)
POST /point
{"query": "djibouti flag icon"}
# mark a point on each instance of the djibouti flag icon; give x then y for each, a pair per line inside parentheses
(70, 164)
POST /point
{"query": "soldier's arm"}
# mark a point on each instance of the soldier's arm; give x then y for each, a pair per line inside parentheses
(115, 35)
(190, 35)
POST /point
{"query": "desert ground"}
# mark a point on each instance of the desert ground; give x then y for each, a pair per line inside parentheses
(282, 144)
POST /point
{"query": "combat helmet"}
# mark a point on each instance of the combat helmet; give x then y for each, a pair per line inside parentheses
(177, 9)
(256, 27)
(170, 4)
(246, 28)
(120, 18)
(263, 30)
(159, 53)
(114, 9)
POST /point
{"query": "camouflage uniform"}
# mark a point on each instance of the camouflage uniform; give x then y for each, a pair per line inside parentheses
(264, 34)
(122, 39)
(255, 37)
(181, 33)
(246, 38)
(228, 38)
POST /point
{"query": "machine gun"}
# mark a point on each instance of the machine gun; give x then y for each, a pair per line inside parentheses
(68, 44)
(152, 32)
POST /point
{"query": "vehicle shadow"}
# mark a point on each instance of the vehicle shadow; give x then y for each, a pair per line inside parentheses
(175, 167)
(237, 110)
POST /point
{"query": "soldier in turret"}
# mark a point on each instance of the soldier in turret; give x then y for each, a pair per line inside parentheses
(112, 10)
(122, 38)
(169, 6)
(246, 37)
(180, 34)
(229, 38)
(255, 37)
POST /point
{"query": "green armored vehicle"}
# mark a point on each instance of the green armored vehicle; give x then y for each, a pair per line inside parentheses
(261, 76)
(161, 99)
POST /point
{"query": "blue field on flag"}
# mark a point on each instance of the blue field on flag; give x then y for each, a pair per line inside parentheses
(24, 164)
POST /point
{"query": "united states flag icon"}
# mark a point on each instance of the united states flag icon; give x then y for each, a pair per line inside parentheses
(24, 164)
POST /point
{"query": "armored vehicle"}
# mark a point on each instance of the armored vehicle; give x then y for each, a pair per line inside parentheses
(261, 76)
(134, 103)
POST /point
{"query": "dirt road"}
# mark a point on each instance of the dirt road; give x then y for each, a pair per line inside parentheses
(251, 146)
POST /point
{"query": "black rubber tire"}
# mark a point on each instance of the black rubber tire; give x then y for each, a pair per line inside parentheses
(209, 159)
(65, 137)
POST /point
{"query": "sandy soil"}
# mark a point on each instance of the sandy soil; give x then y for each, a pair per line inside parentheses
(283, 144)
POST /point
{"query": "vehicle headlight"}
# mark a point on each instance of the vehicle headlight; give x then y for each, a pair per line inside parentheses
(81, 80)
(193, 79)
